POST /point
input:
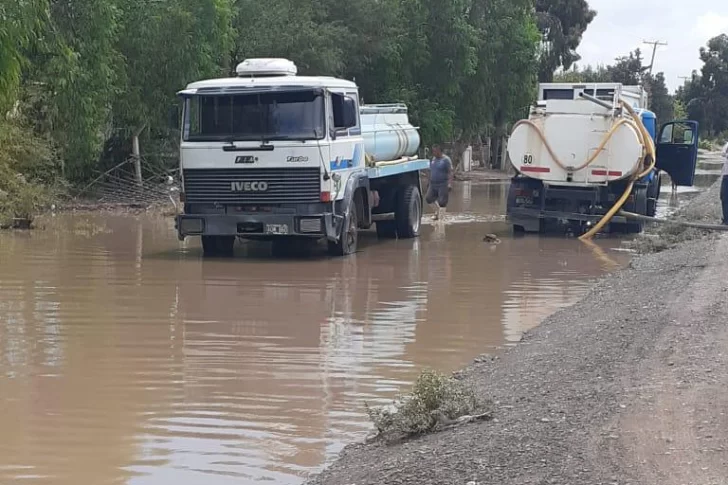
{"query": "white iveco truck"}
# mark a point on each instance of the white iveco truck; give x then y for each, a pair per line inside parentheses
(276, 156)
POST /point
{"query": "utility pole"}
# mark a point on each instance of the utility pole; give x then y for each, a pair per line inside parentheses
(654, 44)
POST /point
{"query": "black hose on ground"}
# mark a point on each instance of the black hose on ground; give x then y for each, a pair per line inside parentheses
(696, 225)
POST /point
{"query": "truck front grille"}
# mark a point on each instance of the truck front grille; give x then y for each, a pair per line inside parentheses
(252, 185)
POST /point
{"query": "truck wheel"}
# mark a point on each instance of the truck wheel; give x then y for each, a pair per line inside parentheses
(349, 236)
(641, 207)
(386, 229)
(408, 213)
(651, 207)
(653, 194)
(640, 201)
(218, 245)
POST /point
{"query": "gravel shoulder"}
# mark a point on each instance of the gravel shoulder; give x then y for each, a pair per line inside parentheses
(630, 385)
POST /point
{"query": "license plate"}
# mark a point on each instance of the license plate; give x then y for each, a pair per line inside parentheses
(276, 228)
(524, 201)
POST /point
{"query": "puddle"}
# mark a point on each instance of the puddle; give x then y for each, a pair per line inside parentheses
(127, 358)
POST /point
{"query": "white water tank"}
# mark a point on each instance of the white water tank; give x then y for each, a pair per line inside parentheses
(387, 132)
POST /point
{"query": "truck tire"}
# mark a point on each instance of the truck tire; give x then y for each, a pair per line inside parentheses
(218, 245)
(349, 237)
(651, 207)
(386, 229)
(640, 206)
(408, 213)
(653, 189)
(653, 194)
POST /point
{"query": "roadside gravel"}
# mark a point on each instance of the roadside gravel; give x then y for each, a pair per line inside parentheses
(630, 385)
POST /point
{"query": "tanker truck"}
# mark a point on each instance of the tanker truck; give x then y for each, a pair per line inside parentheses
(271, 155)
(585, 149)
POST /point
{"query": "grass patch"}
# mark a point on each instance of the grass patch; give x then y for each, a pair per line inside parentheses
(435, 402)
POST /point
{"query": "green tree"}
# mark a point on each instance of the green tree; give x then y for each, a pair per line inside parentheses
(628, 70)
(680, 112)
(21, 24)
(77, 66)
(589, 74)
(705, 94)
(562, 24)
(714, 81)
(661, 102)
(503, 85)
(298, 30)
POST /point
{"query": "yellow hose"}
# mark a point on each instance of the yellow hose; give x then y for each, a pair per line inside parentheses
(650, 158)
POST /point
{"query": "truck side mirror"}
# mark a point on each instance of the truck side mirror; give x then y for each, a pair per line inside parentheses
(174, 116)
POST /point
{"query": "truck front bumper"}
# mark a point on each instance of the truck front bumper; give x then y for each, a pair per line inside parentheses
(259, 225)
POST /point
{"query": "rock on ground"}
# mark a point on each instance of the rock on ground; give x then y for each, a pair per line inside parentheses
(628, 386)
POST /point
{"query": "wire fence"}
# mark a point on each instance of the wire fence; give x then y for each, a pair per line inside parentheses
(119, 186)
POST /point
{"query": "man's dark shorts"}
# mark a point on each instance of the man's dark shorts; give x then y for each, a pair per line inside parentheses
(439, 193)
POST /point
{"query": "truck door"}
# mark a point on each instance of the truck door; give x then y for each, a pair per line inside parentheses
(347, 145)
(677, 151)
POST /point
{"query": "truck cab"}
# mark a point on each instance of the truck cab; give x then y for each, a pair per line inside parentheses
(271, 155)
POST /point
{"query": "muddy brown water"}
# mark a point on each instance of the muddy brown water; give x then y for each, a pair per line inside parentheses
(125, 358)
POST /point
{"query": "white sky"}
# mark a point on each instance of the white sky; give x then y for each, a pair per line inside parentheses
(621, 25)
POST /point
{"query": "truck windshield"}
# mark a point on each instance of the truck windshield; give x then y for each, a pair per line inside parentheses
(292, 115)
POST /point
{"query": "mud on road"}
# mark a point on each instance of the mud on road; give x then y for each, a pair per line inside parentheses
(627, 386)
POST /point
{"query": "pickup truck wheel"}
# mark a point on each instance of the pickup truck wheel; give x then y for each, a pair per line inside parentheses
(349, 237)
(386, 229)
(408, 214)
(218, 245)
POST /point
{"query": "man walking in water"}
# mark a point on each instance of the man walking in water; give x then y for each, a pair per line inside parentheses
(441, 175)
(724, 185)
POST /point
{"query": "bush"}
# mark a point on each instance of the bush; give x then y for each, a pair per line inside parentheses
(28, 176)
(714, 143)
(435, 401)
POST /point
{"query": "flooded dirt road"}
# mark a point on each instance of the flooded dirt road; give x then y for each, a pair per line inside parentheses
(127, 359)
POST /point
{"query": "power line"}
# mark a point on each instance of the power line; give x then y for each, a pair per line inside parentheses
(654, 44)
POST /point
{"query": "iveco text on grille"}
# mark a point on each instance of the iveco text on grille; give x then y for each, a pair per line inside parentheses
(248, 186)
